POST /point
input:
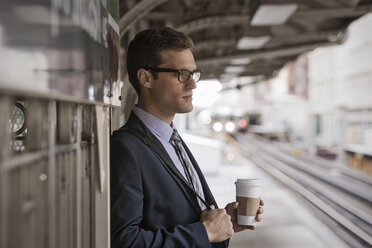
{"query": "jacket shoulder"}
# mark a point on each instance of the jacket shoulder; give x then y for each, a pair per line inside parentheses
(123, 137)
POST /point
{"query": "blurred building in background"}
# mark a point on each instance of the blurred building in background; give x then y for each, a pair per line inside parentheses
(339, 93)
(320, 101)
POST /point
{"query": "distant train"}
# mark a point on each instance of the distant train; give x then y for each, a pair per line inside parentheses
(230, 122)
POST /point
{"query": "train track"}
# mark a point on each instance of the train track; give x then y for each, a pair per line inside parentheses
(342, 199)
(334, 167)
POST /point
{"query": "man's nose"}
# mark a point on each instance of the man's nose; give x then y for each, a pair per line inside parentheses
(191, 84)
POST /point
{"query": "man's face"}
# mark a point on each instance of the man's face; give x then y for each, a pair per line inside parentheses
(169, 95)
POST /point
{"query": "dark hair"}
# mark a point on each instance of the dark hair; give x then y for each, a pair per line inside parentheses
(144, 50)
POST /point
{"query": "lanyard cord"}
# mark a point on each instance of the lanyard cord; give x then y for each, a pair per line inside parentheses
(149, 142)
(189, 179)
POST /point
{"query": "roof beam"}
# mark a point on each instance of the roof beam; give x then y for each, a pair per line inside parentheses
(138, 12)
(263, 54)
(213, 44)
(333, 12)
(307, 37)
(304, 37)
(213, 22)
(227, 21)
(164, 15)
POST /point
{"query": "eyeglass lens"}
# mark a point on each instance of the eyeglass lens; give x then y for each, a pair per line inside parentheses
(184, 75)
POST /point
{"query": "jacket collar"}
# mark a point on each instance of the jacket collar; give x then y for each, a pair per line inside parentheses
(136, 123)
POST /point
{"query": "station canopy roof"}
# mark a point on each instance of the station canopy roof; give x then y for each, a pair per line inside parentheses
(246, 37)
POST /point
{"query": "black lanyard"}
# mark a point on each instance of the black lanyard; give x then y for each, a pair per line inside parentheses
(147, 140)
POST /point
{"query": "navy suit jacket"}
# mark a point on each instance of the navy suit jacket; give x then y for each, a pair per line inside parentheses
(150, 205)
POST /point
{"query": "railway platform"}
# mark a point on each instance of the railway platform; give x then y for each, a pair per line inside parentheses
(288, 221)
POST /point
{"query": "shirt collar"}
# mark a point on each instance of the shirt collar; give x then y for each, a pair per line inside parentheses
(156, 126)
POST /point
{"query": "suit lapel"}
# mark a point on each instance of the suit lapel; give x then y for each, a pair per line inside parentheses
(175, 173)
(167, 162)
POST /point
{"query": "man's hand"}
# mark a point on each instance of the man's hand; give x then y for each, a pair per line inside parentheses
(217, 223)
(231, 210)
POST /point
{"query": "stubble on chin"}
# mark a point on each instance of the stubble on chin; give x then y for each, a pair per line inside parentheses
(186, 110)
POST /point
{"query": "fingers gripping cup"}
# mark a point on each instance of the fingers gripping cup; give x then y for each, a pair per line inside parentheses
(247, 194)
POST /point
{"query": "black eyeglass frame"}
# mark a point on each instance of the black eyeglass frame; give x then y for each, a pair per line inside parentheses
(179, 73)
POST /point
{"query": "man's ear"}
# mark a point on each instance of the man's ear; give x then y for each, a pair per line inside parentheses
(145, 78)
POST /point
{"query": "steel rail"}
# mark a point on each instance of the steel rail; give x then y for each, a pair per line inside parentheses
(346, 183)
(350, 172)
(300, 182)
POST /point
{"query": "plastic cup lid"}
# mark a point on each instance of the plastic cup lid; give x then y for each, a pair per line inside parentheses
(250, 181)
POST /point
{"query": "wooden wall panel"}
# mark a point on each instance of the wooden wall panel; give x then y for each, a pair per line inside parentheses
(26, 204)
(32, 212)
(62, 237)
(5, 104)
(50, 195)
(13, 209)
(39, 189)
(37, 125)
(86, 198)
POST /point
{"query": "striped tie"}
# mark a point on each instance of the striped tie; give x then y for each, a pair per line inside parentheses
(187, 166)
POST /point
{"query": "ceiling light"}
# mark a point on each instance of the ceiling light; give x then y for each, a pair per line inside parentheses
(242, 61)
(252, 42)
(234, 69)
(273, 14)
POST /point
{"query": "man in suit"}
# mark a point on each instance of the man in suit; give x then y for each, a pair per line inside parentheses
(159, 196)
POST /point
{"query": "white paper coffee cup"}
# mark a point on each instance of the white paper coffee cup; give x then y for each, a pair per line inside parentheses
(248, 193)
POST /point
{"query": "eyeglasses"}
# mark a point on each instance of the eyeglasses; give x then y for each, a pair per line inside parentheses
(183, 74)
